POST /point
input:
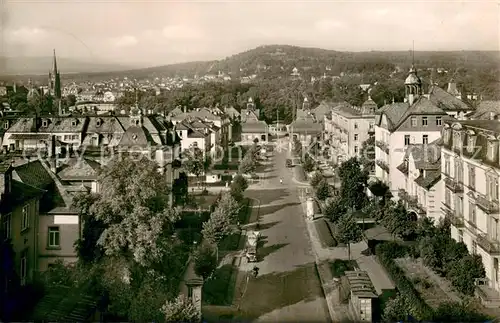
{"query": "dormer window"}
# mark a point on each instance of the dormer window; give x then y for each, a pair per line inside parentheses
(74, 122)
(492, 146)
(45, 123)
(471, 141)
(457, 140)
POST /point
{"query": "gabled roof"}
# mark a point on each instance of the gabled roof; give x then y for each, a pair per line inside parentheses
(80, 169)
(249, 115)
(445, 100)
(20, 194)
(429, 179)
(425, 156)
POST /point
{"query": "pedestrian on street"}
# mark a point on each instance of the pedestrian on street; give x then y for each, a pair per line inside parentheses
(255, 271)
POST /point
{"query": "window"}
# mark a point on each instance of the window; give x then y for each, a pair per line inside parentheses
(190, 292)
(471, 141)
(355, 126)
(6, 125)
(26, 218)
(413, 122)
(407, 140)
(472, 177)
(492, 188)
(355, 137)
(54, 237)
(356, 149)
(44, 123)
(6, 228)
(459, 172)
(459, 206)
(424, 121)
(472, 212)
(439, 121)
(447, 197)
(460, 235)
(24, 267)
(493, 228)
(425, 139)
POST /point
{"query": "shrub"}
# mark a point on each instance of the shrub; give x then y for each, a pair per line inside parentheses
(462, 273)
(316, 179)
(419, 308)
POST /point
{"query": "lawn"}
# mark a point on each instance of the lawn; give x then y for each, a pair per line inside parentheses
(339, 267)
(219, 290)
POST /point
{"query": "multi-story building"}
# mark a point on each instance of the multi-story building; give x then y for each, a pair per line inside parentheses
(306, 128)
(348, 127)
(19, 209)
(449, 101)
(421, 169)
(195, 133)
(251, 126)
(471, 173)
(416, 121)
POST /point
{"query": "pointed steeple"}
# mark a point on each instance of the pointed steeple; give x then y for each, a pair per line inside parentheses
(55, 63)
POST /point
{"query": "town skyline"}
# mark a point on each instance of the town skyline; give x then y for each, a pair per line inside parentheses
(159, 33)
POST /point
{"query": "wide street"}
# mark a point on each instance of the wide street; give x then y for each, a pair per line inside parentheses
(287, 287)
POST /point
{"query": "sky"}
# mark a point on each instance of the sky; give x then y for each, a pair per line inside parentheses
(155, 32)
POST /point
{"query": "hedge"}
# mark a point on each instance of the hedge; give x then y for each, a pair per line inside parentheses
(385, 253)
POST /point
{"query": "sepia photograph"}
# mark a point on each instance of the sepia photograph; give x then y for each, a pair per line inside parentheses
(249, 161)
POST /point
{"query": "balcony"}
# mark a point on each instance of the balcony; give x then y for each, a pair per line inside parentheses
(490, 207)
(382, 145)
(454, 185)
(488, 244)
(382, 164)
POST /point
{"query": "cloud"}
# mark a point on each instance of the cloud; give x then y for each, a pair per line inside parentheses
(125, 41)
(182, 32)
(27, 35)
(327, 25)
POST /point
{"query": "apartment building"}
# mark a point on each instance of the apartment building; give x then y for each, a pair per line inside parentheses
(470, 168)
(421, 169)
(306, 127)
(416, 121)
(348, 127)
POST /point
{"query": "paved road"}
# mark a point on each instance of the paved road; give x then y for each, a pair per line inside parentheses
(288, 287)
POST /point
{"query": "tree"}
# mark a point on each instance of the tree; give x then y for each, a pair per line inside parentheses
(238, 186)
(180, 310)
(464, 271)
(194, 161)
(205, 261)
(87, 247)
(296, 147)
(180, 189)
(323, 190)
(348, 231)
(248, 164)
(308, 163)
(217, 227)
(70, 100)
(396, 309)
(368, 154)
(399, 223)
(353, 182)
(229, 206)
(335, 209)
(316, 179)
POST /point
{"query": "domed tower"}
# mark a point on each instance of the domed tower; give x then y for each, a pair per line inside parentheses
(413, 86)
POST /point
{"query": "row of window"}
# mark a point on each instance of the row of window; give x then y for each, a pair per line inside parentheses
(492, 185)
(425, 121)
(53, 239)
(408, 140)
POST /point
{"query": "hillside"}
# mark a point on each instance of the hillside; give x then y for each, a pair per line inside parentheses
(278, 60)
(41, 65)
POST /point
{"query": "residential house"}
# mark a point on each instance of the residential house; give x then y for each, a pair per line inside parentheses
(19, 208)
(194, 133)
(34, 133)
(470, 167)
(416, 121)
(306, 128)
(251, 127)
(449, 101)
(347, 127)
(485, 110)
(421, 169)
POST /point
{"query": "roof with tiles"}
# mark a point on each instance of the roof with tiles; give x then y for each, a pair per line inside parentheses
(35, 175)
(135, 137)
(249, 115)
(79, 169)
(428, 179)
(487, 110)
(446, 101)
(254, 127)
(20, 194)
(104, 124)
(49, 125)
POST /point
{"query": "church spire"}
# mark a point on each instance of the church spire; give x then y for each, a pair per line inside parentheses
(55, 62)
